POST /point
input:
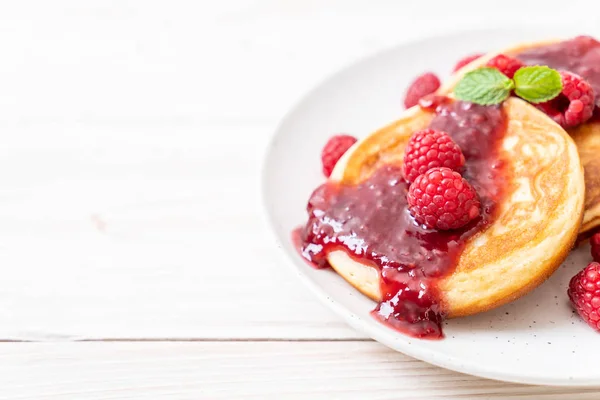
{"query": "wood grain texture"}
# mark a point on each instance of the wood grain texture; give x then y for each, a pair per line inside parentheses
(244, 370)
(137, 242)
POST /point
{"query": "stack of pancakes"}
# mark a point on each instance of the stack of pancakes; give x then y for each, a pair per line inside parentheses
(586, 137)
(554, 196)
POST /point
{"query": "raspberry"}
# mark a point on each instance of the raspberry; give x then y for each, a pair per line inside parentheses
(505, 64)
(334, 150)
(428, 149)
(465, 61)
(442, 199)
(422, 86)
(574, 105)
(584, 293)
(595, 244)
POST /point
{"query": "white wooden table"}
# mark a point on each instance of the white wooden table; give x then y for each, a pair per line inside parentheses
(136, 261)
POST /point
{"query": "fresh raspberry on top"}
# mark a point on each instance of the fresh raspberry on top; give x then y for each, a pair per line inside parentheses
(466, 60)
(505, 64)
(584, 293)
(574, 105)
(334, 150)
(442, 199)
(428, 149)
(595, 244)
(422, 86)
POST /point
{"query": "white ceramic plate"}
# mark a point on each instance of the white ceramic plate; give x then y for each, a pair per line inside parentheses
(536, 339)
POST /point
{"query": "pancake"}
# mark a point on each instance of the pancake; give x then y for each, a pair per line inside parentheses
(536, 224)
(586, 137)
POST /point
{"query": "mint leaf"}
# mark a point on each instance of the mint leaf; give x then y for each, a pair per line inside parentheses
(537, 84)
(484, 86)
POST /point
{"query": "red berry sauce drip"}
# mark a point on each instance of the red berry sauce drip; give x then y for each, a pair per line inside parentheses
(371, 222)
(580, 55)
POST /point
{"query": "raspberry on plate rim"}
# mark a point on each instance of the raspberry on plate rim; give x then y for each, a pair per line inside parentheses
(584, 293)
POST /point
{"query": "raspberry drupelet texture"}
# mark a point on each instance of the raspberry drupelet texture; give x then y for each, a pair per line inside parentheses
(334, 150)
(425, 84)
(584, 293)
(595, 245)
(465, 61)
(428, 149)
(505, 64)
(442, 199)
(574, 105)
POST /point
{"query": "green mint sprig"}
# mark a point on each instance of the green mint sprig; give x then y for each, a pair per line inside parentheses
(537, 84)
(487, 86)
(484, 86)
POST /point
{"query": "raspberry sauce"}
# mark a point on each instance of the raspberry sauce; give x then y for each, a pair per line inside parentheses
(580, 55)
(371, 222)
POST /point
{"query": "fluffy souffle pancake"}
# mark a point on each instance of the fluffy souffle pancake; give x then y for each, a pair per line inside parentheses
(587, 135)
(536, 224)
